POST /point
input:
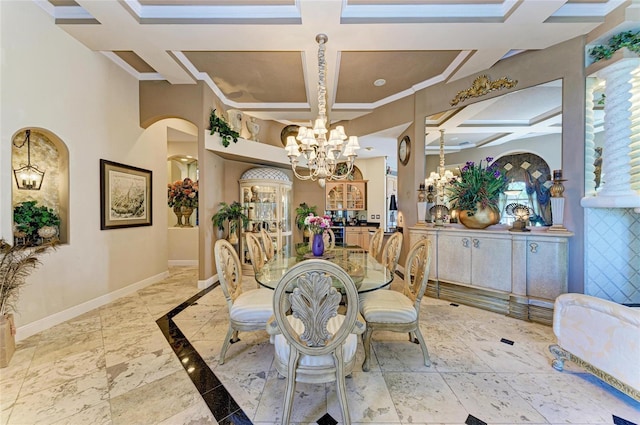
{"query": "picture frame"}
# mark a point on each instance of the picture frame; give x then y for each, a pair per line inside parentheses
(125, 196)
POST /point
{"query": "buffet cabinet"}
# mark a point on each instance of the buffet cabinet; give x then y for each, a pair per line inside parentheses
(515, 273)
(266, 197)
(350, 195)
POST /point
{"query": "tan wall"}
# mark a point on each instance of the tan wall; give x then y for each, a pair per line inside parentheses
(563, 61)
(92, 107)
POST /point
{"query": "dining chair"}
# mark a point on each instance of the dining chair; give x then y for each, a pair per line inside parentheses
(375, 245)
(248, 310)
(399, 311)
(267, 243)
(313, 343)
(391, 252)
(256, 253)
(329, 239)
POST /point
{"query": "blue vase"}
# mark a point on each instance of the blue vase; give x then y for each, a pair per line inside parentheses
(317, 246)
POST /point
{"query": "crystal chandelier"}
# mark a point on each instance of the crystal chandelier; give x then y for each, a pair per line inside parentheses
(441, 179)
(330, 159)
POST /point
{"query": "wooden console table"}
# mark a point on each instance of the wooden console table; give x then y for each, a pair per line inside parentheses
(514, 273)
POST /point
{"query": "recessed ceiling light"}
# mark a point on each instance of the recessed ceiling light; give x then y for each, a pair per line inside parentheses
(380, 82)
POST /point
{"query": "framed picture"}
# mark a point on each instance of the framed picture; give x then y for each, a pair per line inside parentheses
(125, 196)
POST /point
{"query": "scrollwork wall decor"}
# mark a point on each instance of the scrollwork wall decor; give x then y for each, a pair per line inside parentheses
(481, 86)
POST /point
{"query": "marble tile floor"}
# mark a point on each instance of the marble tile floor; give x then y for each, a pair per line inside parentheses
(151, 358)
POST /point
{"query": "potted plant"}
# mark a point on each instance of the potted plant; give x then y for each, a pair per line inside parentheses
(182, 196)
(302, 212)
(16, 262)
(34, 222)
(476, 193)
(220, 126)
(233, 214)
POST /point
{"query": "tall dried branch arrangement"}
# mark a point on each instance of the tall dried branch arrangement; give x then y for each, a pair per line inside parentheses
(16, 263)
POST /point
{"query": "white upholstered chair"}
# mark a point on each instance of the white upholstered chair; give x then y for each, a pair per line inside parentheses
(267, 243)
(313, 343)
(375, 245)
(256, 253)
(391, 252)
(248, 310)
(399, 311)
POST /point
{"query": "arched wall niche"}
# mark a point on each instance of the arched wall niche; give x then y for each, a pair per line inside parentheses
(51, 155)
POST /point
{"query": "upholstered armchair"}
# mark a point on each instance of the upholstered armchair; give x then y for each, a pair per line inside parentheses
(248, 310)
(399, 311)
(313, 342)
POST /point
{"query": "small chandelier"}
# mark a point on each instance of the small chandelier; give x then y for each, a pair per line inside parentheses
(442, 178)
(330, 159)
(28, 177)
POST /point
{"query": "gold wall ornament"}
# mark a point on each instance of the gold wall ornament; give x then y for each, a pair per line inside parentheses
(481, 86)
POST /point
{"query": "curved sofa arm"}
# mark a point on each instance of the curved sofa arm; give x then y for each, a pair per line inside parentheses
(602, 333)
(630, 316)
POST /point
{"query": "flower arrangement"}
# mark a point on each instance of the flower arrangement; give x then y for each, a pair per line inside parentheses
(183, 193)
(477, 184)
(317, 223)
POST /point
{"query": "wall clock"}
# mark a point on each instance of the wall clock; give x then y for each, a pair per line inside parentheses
(404, 150)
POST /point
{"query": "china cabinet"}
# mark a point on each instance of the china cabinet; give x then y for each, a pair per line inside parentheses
(349, 195)
(514, 273)
(266, 196)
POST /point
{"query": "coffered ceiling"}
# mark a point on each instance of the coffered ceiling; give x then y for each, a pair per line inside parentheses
(261, 56)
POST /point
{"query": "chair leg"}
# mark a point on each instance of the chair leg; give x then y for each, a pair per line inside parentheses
(225, 344)
(341, 387)
(423, 345)
(291, 386)
(366, 341)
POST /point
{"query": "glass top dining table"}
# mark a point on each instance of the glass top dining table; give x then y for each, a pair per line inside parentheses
(367, 273)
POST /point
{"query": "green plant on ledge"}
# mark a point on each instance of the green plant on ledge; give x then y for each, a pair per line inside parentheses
(220, 126)
(628, 39)
(30, 217)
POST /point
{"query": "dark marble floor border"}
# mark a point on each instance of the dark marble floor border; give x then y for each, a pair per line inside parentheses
(223, 407)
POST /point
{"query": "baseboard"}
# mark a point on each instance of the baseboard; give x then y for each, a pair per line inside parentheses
(204, 284)
(40, 325)
(183, 263)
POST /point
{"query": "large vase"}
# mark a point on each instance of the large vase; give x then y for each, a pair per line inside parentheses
(7, 339)
(186, 215)
(178, 212)
(317, 246)
(233, 233)
(481, 219)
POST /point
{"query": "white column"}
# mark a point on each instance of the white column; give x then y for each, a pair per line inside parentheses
(621, 151)
(618, 121)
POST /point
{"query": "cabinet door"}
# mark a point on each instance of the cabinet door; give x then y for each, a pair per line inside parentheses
(454, 258)
(547, 264)
(335, 196)
(491, 263)
(355, 196)
(352, 236)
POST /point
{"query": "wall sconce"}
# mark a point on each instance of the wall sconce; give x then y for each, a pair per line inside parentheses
(28, 177)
